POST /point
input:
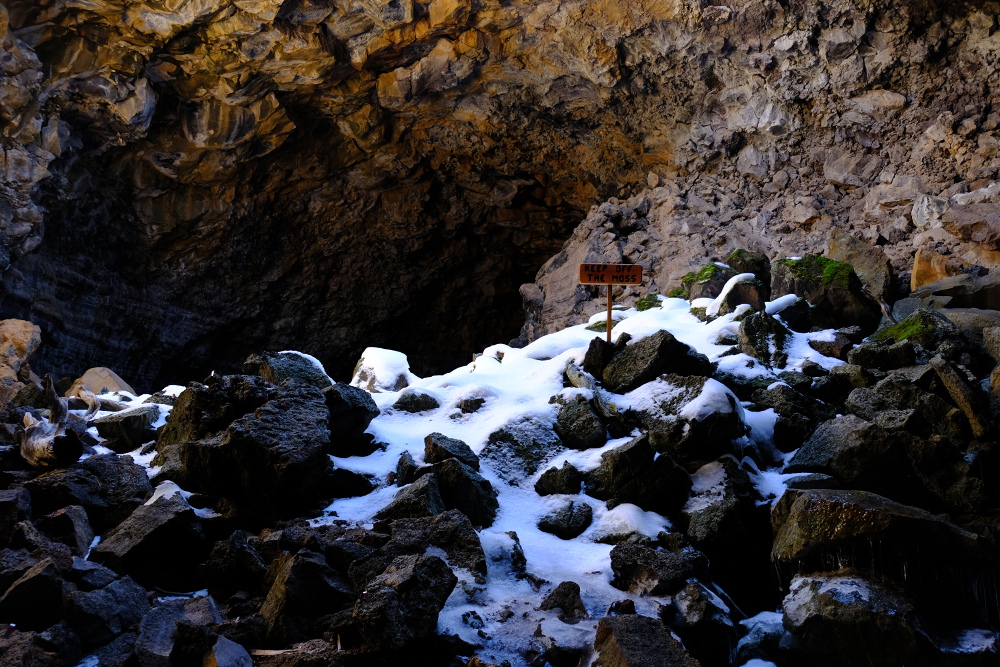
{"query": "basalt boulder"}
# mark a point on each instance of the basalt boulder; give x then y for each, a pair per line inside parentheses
(638, 641)
(578, 426)
(651, 357)
(101, 615)
(649, 571)
(827, 284)
(351, 411)
(634, 473)
(702, 620)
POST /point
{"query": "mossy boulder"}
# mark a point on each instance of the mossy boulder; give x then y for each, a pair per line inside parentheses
(830, 285)
(762, 337)
(649, 358)
(708, 281)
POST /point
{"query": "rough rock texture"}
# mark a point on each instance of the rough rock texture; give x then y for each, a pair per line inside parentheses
(236, 171)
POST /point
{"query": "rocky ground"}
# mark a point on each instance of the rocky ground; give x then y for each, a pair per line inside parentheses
(745, 477)
(186, 182)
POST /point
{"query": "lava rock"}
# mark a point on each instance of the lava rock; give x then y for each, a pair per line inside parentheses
(100, 615)
(304, 588)
(351, 411)
(651, 357)
(438, 447)
(415, 401)
(464, 489)
(15, 506)
(632, 640)
(158, 629)
(234, 564)
(126, 430)
(566, 598)
(402, 604)
(882, 355)
(936, 414)
(568, 521)
(281, 367)
(762, 337)
(34, 601)
(406, 469)
(520, 448)
(829, 285)
(70, 526)
(633, 473)
(566, 479)
(578, 426)
(703, 622)
(421, 498)
(648, 571)
(451, 531)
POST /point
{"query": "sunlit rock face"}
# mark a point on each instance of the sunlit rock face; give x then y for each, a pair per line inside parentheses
(186, 181)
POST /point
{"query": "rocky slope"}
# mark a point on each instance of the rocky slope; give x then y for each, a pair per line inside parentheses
(326, 174)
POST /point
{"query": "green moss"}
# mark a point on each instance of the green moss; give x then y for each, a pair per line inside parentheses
(706, 273)
(737, 255)
(912, 328)
(821, 270)
(651, 300)
(700, 313)
(688, 279)
(598, 326)
(677, 293)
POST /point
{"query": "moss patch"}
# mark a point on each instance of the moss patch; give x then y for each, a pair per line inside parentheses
(598, 326)
(706, 273)
(821, 270)
(649, 301)
(912, 328)
(677, 293)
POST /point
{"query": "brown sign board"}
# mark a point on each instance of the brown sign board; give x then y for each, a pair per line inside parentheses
(610, 274)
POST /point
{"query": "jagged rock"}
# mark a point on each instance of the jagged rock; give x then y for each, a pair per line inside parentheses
(842, 619)
(566, 479)
(450, 531)
(757, 263)
(402, 604)
(578, 426)
(160, 543)
(271, 458)
(979, 223)
(421, 498)
(708, 281)
(351, 411)
(101, 615)
(649, 571)
(634, 473)
(89, 576)
(126, 430)
(566, 598)
(927, 328)
(415, 401)
(471, 405)
(693, 419)
(599, 354)
(703, 622)
(762, 337)
(868, 261)
(406, 469)
(650, 357)
(99, 380)
(568, 521)
(871, 533)
(227, 653)
(157, 631)
(464, 489)
(304, 588)
(520, 448)
(107, 486)
(897, 393)
(280, 367)
(19, 340)
(15, 506)
(968, 401)
(70, 526)
(838, 347)
(827, 284)
(638, 641)
(233, 565)
(34, 601)
(883, 356)
(929, 267)
(749, 291)
(438, 447)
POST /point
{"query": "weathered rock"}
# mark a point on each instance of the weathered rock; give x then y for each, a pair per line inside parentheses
(650, 357)
(578, 426)
(642, 569)
(126, 430)
(15, 506)
(568, 521)
(868, 261)
(978, 223)
(18, 341)
(969, 401)
(930, 267)
(693, 419)
(450, 531)
(101, 615)
(438, 447)
(828, 284)
(838, 347)
(599, 354)
(34, 601)
(895, 392)
(464, 489)
(406, 469)
(566, 479)
(381, 370)
(840, 618)
(227, 653)
(703, 622)
(757, 263)
(566, 598)
(281, 367)
(351, 411)
(157, 631)
(883, 356)
(304, 588)
(638, 641)
(99, 380)
(749, 291)
(520, 448)
(89, 576)
(70, 526)
(415, 401)
(160, 543)
(403, 603)
(762, 337)
(203, 410)
(634, 473)
(233, 565)
(421, 498)
(708, 281)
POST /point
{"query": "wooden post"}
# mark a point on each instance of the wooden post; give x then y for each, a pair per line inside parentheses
(609, 314)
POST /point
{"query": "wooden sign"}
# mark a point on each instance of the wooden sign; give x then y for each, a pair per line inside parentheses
(610, 274)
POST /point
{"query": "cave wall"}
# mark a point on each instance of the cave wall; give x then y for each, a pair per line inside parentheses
(188, 181)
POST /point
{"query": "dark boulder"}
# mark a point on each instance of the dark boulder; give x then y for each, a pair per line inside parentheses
(160, 544)
(464, 489)
(757, 263)
(638, 641)
(702, 620)
(578, 426)
(520, 448)
(693, 419)
(282, 367)
(935, 415)
(839, 618)
(15, 506)
(566, 479)
(129, 429)
(634, 473)
(233, 565)
(158, 628)
(203, 410)
(885, 356)
(89, 576)
(651, 357)
(568, 521)
(648, 571)
(351, 412)
(970, 401)
(749, 291)
(304, 588)
(762, 337)
(34, 601)
(421, 498)
(829, 285)
(708, 281)
(451, 531)
(406, 469)
(402, 604)
(837, 346)
(599, 353)
(415, 401)
(566, 599)
(438, 447)
(71, 526)
(100, 615)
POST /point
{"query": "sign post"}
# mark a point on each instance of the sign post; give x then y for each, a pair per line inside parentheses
(610, 275)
